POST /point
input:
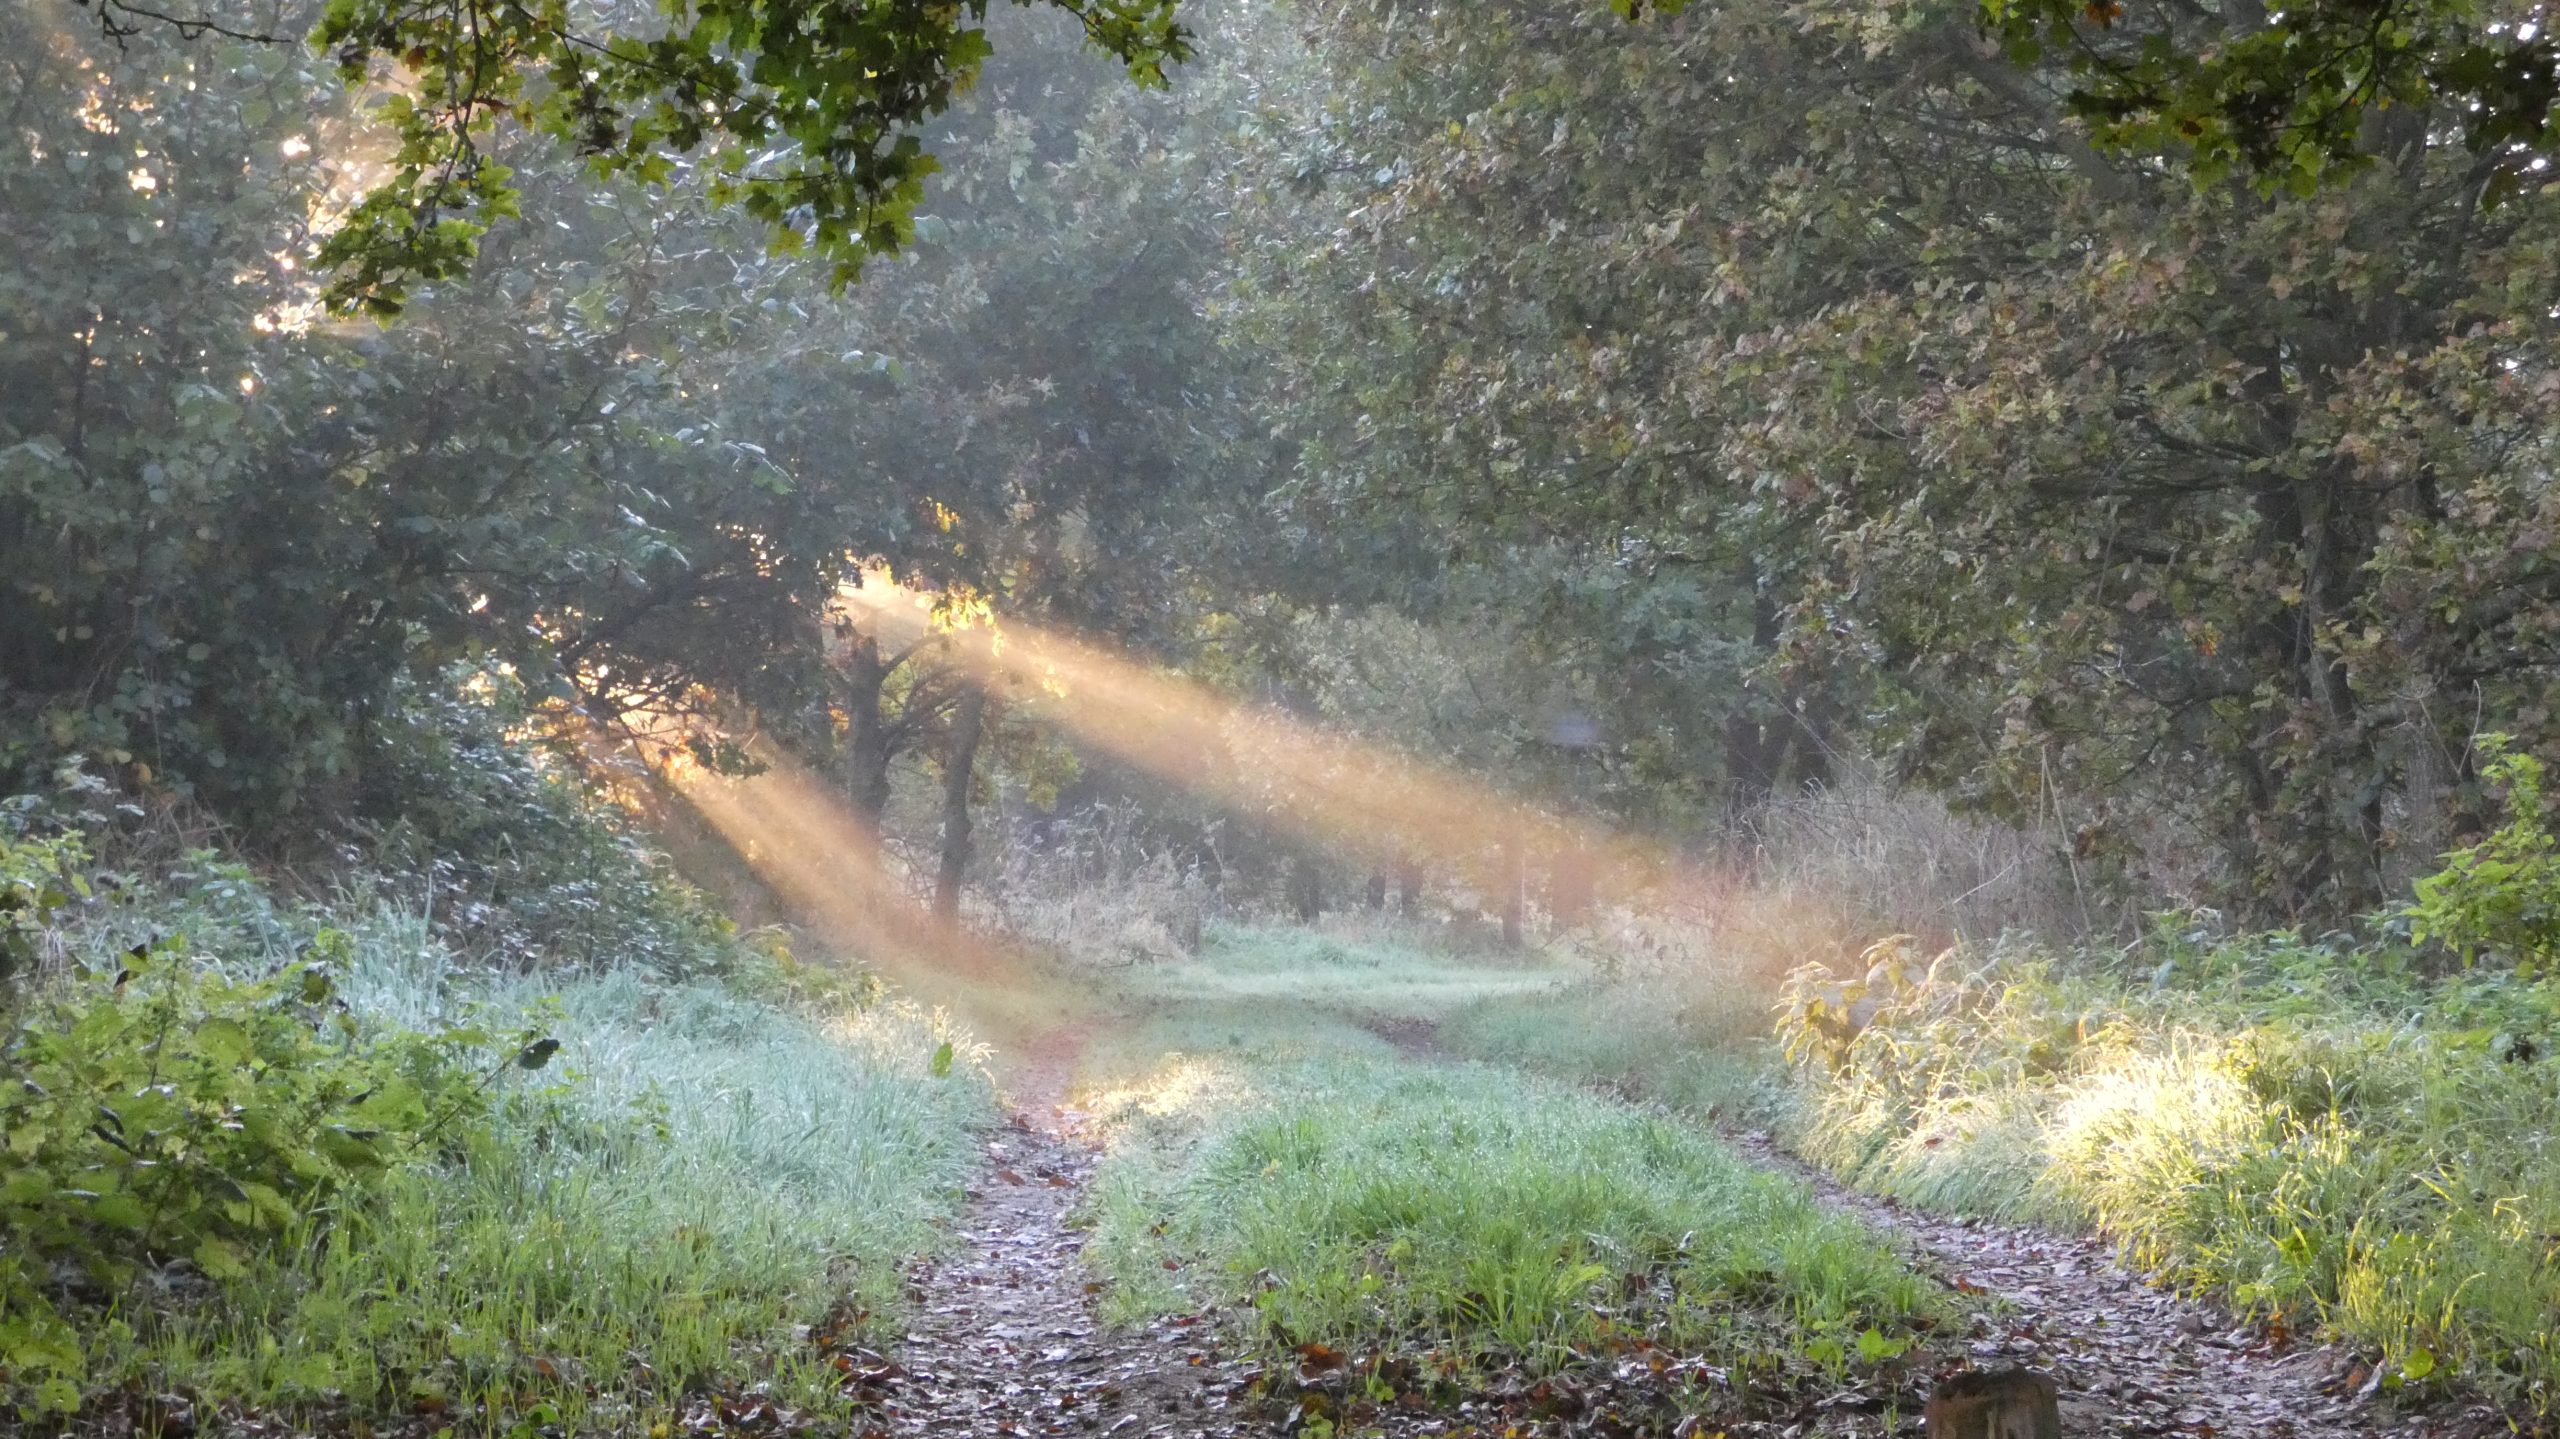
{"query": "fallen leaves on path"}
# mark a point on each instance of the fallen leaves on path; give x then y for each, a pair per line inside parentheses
(1004, 1343)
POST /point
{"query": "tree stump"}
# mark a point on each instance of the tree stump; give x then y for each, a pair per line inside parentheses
(2006, 1404)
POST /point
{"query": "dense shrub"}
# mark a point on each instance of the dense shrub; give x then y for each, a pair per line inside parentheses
(171, 1119)
(514, 844)
(2499, 898)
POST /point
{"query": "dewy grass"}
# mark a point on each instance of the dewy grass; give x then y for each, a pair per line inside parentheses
(1477, 1212)
(1358, 976)
(707, 1177)
(1702, 1050)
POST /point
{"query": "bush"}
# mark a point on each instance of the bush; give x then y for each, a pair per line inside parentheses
(38, 876)
(176, 1120)
(516, 846)
(2499, 898)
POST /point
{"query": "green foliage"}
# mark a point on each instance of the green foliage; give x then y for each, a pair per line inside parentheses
(38, 875)
(521, 846)
(717, 1181)
(804, 113)
(2115, 505)
(165, 1115)
(615, 460)
(274, 1160)
(2291, 96)
(2500, 897)
(2312, 1129)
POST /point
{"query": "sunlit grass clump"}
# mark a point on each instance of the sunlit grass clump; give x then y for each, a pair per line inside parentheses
(1478, 1213)
(2312, 1131)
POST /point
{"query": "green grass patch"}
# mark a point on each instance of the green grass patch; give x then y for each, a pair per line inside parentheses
(1702, 1050)
(1361, 977)
(1484, 1215)
(710, 1178)
(1268, 997)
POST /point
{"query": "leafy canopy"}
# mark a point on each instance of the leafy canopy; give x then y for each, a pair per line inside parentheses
(803, 110)
(2288, 94)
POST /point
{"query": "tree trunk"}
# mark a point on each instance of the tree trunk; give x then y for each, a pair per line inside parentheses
(1514, 885)
(1306, 888)
(867, 749)
(1809, 731)
(959, 767)
(1753, 747)
(2333, 550)
(1572, 886)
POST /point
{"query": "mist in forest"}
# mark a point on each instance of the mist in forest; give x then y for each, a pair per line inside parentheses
(671, 676)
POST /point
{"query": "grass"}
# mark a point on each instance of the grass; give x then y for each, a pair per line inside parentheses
(1701, 1049)
(1270, 1148)
(1270, 996)
(1375, 976)
(2312, 1130)
(711, 1178)
(715, 1185)
(1368, 1205)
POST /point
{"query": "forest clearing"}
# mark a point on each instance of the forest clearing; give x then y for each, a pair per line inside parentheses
(1184, 719)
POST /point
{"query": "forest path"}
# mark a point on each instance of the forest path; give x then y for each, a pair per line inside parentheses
(2131, 1359)
(1004, 1341)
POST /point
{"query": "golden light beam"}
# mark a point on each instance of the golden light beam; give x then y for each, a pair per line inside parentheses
(806, 844)
(1318, 784)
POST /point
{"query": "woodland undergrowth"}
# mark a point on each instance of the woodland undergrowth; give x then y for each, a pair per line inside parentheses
(350, 1155)
(2347, 1135)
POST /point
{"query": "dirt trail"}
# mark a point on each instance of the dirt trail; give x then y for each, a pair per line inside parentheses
(1004, 1340)
(2132, 1359)
(2129, 1358)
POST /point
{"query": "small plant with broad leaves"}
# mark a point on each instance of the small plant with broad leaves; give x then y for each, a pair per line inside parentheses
(1821, 1013)
(37, 877)
(2499, 898)
(164, 1119)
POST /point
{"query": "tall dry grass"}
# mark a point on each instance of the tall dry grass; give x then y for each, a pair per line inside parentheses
(1098, 887)
(1882, 860)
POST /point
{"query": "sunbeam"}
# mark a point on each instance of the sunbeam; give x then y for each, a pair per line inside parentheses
(1257, 759)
